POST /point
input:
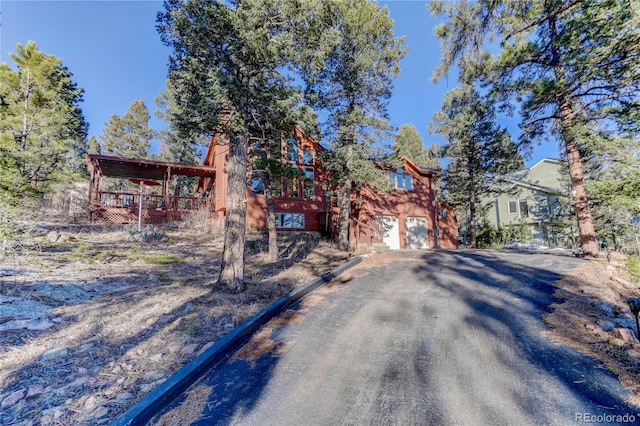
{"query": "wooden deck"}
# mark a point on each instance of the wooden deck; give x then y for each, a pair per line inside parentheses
(122, 207)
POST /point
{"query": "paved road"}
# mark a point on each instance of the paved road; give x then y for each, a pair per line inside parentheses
(419, 338)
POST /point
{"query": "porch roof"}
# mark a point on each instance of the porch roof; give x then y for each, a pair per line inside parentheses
(128, 168)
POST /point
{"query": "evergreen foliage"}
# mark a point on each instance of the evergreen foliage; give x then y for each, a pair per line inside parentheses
(349, 74)
(128, 136)
(479, 151)
(566, 62)
(409, 143)
(42, 128)
(228, 69)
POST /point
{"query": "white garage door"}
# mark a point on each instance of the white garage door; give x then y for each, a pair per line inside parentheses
(417, 236)
(391, 235)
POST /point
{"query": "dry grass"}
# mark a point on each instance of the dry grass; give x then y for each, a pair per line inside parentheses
(127, 316)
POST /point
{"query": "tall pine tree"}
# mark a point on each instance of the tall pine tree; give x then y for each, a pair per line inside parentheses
(566, 62)
(42, 128)
(228, 70)
(129, 136)
(479, 151)
(350, 75)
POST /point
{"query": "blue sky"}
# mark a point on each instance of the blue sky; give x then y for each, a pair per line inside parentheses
(115, 54)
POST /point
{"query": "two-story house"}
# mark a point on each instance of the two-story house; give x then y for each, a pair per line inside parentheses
(535, 199)
(407, 217)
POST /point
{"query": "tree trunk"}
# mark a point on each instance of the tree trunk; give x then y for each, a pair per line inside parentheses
(232, 272)
(579, 195)
(271, 220)
(345, 216)
(472, 221)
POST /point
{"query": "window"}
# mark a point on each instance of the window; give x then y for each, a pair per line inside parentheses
(307, 156)
(519, 207)
(292, 149)
(401, 180)
(524, 209)
(309, 183)
(257, 183)
(293, 185)
(290, 220)
(276, 187)
(443, 212)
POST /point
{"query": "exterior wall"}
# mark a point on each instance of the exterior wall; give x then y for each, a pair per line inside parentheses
(312, 209)
(403, 203)
(547, 173)
(537, 185)
(447, 227)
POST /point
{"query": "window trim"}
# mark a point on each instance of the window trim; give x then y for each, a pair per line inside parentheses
(401, 180)
(515, 205)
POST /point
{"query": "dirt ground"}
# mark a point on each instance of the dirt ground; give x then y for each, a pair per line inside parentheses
(92, 322)
(594, 318)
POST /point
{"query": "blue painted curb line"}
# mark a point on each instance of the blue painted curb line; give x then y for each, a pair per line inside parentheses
(150, 404)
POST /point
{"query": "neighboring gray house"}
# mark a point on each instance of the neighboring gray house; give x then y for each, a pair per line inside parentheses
(538, 197)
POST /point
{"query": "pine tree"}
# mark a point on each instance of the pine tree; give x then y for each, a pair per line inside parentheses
(227, 70)
(42, 128)
(129, 136)
(566, 62)
(409, 143)
(479, 151)
(349, 74)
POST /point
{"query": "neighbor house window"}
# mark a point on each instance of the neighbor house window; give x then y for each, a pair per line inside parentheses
(513, 207)
(401, 180)
(524, 209)
(290, 220)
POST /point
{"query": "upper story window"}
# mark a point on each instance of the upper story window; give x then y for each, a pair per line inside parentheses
(307, 156)
(292, 149)
(309, 183)
(519, 207)
(401, 180)
(257, 183)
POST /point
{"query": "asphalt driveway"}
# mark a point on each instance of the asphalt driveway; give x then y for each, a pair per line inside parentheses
(418, 338)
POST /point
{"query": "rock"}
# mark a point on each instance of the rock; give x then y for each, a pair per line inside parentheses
(165, 318)
(189, 349)
(606, 325)
(188, 308)
(12, 399)
(174, 348)
(53, 237)
(153, 376)
(35, 391)
(605, 307)
(178, 321)
(92, 402)
(633, 354)
(125, 396)
(625, 322)
(83, 371)
(86, 347)
(617, 342)
(55, 353)
(156, 357)
(625, 334)
(101, 411)
(205, 347)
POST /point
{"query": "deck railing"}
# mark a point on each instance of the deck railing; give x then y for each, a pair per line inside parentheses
(129, 201)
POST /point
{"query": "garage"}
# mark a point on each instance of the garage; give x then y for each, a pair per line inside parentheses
(391, 235)
(417, 235)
